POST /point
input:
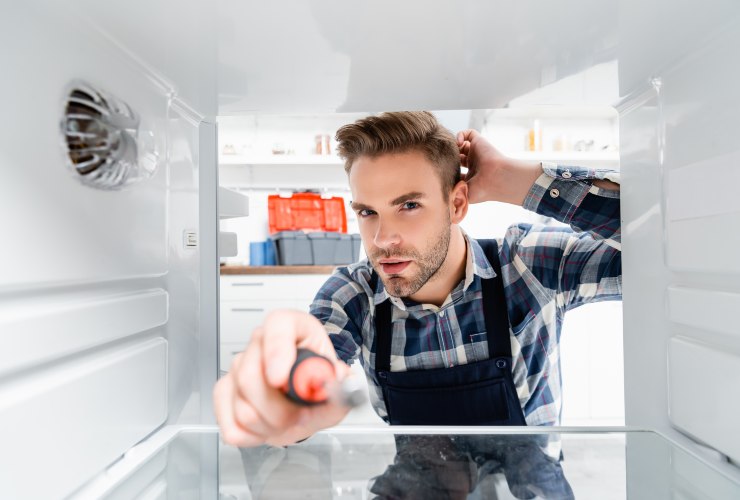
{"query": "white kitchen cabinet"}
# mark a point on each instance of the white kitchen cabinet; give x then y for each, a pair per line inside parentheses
(247, 299)
(271, 287)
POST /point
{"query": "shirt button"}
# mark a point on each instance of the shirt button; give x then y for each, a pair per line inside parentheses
(441, 314)
(567, 174)
(554, 192)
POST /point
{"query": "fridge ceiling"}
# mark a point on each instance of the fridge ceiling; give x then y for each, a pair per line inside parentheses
(325, 56)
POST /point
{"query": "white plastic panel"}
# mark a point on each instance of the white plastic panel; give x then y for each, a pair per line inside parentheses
(691, 481)
(148, 476)
(681, 219)
(702, 158)
(174, 37)
(645, 280)
(376, 56)
(34, 331)
(655, 34)
(718, 309)
(121, 396)
(698, 405)
(688, 240)
(57, 231)
(227, 244)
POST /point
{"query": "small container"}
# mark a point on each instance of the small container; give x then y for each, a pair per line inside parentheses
(261, 253)
(257, 253)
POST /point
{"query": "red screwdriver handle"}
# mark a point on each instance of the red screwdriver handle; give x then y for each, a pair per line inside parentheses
(309, 377)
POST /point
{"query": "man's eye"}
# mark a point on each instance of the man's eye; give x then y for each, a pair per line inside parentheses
(410, 205)
(365, 212)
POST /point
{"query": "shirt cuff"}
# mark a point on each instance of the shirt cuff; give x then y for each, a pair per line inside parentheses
(559, 191)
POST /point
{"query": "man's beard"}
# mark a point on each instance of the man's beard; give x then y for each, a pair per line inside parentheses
(428, 263)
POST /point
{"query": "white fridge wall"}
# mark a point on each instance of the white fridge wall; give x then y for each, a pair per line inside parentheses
(100, 301)
(334, 55)
(680, 158)
(126, 316)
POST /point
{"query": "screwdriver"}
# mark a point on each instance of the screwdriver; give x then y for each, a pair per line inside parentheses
(313, 381)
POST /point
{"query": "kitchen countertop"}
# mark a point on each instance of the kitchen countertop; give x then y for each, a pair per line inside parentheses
(277, 269)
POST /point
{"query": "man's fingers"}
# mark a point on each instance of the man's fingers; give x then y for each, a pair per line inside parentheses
(232, 433)
(285, 330)
(466, 135)
(264, 408)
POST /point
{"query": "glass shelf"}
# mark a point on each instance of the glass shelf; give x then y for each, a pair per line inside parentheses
(362, 463)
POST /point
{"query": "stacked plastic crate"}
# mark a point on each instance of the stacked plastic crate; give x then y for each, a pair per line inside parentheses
(309, 229)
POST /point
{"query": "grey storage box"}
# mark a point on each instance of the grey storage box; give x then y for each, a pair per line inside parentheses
(356, 246)
(333, 248)
(324, 246)
(292, 248)
(343, 250)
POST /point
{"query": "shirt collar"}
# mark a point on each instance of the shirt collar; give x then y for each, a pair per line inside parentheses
(476, 265)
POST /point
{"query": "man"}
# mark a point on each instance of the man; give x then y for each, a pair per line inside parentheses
(449, 330)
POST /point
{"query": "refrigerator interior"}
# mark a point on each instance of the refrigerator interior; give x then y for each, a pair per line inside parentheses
(109, 290)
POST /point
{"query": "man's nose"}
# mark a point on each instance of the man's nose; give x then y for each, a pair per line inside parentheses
(386, 235)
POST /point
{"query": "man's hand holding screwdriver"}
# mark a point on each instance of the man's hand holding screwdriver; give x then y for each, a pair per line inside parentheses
(251, 402)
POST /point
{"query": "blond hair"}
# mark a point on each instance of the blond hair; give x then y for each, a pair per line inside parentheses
(400, 132)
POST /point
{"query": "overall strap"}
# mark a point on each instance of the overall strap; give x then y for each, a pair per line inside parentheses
(494, 310)
(494, 305)
(383, 330)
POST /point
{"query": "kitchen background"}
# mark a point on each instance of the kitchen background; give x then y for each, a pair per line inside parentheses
(261, 155)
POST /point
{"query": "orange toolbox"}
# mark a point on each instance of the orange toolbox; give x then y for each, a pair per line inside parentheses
(306, 212)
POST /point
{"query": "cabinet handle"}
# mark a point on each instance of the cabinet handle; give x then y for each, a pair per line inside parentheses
(247, 309)
(247, 284)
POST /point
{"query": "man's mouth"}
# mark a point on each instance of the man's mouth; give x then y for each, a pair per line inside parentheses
(393, 266)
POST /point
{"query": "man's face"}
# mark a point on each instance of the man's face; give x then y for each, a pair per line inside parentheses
(403, 217)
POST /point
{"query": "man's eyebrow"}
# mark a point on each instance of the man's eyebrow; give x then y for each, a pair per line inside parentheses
(359, 206)
(413, 195)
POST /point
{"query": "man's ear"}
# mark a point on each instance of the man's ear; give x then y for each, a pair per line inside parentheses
(458, 202)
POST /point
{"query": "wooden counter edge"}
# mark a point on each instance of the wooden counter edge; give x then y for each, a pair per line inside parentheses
(277, 269)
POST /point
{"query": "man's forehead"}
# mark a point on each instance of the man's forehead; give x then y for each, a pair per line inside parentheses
(381, 180)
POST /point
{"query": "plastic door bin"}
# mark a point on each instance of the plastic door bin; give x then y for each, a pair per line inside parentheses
(292, 248)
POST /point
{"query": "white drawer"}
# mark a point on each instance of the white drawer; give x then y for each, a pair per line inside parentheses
(228, 351)
(261, 287)
(239, 318)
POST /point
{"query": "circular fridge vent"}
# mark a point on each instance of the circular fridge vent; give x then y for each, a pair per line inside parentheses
(100, 137)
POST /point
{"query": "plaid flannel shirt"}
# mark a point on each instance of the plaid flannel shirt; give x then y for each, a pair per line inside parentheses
(546, 270)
